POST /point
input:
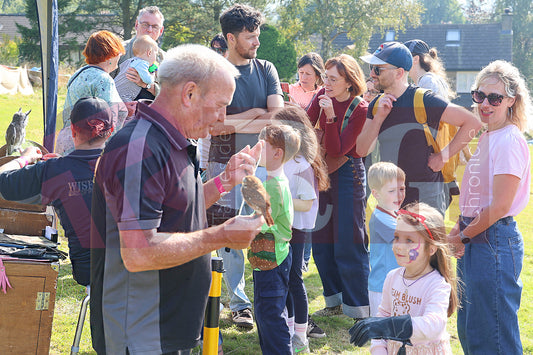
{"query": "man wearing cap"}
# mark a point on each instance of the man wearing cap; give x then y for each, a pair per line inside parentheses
(66, 183)
(150, 245)
(401, 138)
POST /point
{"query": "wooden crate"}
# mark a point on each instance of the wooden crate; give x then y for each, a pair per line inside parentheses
(27, 309)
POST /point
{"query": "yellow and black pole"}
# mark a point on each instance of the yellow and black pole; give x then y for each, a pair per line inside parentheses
(212, 311)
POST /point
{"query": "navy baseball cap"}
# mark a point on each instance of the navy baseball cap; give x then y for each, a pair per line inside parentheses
(91, 108)
(393, 53)
(417, 46)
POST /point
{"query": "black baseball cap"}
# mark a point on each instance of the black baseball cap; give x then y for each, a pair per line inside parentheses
(417, 46)
(393, 53)
(91, 108)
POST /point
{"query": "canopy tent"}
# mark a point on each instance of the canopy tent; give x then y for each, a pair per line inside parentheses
(48, 27)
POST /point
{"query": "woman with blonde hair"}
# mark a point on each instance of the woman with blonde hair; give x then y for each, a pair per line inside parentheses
(494, 189)
(339, 243)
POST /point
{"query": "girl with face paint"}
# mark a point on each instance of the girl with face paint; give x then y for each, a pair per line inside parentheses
(420, 294)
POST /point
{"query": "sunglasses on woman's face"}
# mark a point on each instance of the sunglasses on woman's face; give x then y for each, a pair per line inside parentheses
(479, 96)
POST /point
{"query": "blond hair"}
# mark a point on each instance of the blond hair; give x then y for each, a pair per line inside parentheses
(284, 137)
(441, 260)
(381, 173)
(515, 87)
(142, 44)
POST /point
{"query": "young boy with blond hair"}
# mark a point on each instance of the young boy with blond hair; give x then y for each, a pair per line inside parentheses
(387, 184)
(145, 51)
(270, 254)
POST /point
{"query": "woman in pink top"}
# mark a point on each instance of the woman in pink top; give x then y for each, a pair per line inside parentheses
(495, 188)
(310, 70)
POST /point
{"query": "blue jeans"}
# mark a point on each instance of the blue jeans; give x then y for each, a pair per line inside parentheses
(234, 278)
(270, 296)
(487, 323)
(339, 246)
(297, 298)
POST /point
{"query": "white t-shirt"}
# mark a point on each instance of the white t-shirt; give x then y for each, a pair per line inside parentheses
(303, 185)
(503, 151)
(426, 300)
(435, 83)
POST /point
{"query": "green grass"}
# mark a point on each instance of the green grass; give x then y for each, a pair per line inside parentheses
(69, 294)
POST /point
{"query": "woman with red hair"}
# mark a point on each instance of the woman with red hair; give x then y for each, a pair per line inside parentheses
(102, 52)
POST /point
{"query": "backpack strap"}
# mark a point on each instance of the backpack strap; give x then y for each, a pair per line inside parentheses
(356, 100)
(421, 117)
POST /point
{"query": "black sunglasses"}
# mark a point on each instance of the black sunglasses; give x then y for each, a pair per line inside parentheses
(479, 96)
(377, 70)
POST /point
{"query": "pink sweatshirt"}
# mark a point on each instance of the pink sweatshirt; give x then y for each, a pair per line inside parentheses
(426, 300)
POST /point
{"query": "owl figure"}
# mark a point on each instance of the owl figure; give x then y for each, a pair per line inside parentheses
(256, 197)
(16, 131)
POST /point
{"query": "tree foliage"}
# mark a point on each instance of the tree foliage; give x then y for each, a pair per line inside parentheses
(12, 6)
(478, 11)
(69, 25)
(522, 11)
(442, 11)
(306, 21)
(278, 50)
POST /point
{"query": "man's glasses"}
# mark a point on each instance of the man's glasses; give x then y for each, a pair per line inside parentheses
(479, 96)
(146, 26)
(418, 218)
(219, 50)
(377, 70)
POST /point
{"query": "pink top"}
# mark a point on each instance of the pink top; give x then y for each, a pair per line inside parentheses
(426, 300)
(300, 96)
(503, 151)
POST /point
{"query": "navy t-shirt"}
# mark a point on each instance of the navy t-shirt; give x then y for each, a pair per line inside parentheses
(402, 140)
(67, 184)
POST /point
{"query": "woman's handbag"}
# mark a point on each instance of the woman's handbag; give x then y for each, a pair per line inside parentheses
(334, 163)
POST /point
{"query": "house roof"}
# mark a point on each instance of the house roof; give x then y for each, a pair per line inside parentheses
(8, 25)
(479, 44)
(101, 22)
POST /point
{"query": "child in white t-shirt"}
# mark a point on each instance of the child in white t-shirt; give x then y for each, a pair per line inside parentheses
(420, 295)
(387, 183)
(144, 50)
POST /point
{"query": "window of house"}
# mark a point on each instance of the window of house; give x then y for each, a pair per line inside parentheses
(453, 38)
(389, 36)
(465, 80)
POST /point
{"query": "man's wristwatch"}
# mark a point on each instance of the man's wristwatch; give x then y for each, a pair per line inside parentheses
(464, 238)
(148, 86)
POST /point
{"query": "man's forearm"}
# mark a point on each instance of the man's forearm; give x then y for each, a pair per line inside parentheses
(366, 140)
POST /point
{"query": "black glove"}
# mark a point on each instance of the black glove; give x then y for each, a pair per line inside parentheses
(398, 328)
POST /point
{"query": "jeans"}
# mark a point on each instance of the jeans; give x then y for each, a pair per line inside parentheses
(339, 245)
(297, 297)
(487, 323)
(234, 278)
(270, 297)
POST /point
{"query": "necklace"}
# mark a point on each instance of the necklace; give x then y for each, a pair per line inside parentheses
(406, 292)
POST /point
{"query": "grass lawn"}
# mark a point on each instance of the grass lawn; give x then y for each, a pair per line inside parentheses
(69, 294)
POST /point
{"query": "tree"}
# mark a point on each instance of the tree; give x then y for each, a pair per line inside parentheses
(69, 22)
(443, 11)
(276, 49)
(320, 21)
(12, 6)
(522, 11)
(478, 11)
